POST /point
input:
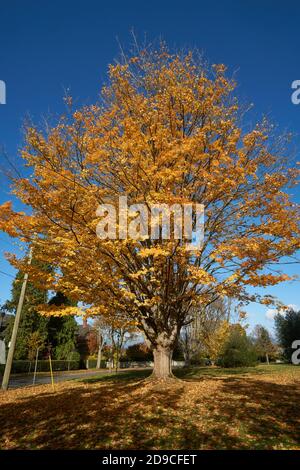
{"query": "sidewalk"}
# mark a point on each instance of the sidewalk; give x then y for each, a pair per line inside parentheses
(25, 380)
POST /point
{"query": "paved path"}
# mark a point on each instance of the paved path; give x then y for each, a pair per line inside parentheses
(18, 380)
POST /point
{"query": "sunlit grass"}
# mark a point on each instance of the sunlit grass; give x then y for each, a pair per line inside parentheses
(209, 408)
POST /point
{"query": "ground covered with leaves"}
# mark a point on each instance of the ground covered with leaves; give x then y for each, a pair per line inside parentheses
(208, 408)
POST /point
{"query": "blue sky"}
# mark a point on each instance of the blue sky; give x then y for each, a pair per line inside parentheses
(47, 47)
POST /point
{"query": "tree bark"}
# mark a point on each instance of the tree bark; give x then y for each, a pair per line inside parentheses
(162, 362)
(162, 344)
(267, 359)
(116, 361)
(187, 362)
(99, 358)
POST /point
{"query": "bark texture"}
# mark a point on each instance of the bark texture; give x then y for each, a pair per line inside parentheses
(162, 362)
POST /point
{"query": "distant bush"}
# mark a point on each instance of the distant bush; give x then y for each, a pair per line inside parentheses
(200, 361)
(74, 356)
(238, 351)
(138, 352)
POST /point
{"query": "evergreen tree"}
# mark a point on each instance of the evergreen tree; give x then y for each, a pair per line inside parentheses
(288, 330)
(30, 321)
(62, 331)
(238, 350)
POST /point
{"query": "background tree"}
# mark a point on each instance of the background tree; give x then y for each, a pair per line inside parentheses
(120, 331)
(288, 330)
(168, 130)
(92, 342)
(35, 342)
(62, 331)
(263, 342)
(139, 352)
(196, 338)
(214, 343)
(31, 321)
(237, 350)
(102, 332)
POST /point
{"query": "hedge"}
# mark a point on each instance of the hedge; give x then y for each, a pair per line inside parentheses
(20, 367)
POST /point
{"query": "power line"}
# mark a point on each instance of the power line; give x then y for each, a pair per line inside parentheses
(6, 274)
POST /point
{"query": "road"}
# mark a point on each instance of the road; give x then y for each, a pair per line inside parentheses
(18, 380)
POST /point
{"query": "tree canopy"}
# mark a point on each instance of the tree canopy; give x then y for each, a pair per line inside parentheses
(167, 130)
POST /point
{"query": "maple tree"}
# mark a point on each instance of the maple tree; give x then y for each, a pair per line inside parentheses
(167, 130)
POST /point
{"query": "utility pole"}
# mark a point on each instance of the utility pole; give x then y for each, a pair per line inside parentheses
(12, 346)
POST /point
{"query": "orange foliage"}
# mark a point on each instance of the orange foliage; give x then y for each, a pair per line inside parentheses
(168, 131)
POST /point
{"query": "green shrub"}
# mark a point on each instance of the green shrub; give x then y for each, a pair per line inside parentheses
(237, 351)
(74, 356)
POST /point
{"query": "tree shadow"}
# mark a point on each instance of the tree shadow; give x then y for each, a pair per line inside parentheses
(131, 414)
(202, 372)
(116, 377)
(115, 415)
(260, 414)
(267, 413)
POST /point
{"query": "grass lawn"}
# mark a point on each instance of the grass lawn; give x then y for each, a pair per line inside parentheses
(209, 408)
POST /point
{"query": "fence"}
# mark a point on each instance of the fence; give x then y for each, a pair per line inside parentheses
(135, 364)
(92, 364)
(24, 367)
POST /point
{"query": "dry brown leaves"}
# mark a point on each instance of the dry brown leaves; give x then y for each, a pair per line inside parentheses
(225, 412)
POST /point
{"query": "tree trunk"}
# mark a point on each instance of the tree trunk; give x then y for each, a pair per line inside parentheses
(187, 359)
(100, 346)
(99, 358)
(162, 345)
(267, 358)
(116, 361)
(187, 362)
(162, 362)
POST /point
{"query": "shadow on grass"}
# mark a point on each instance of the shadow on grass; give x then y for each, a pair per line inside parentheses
(200, 372)
(194, 373)
(183, 374)
(116, 377)
(118, 414)
(123, 412)
(267, 413)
